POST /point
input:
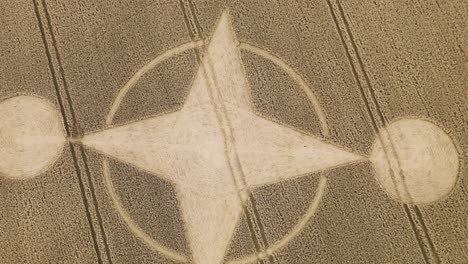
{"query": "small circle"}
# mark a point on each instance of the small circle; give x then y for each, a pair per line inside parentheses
(415, 161)
(31, 136)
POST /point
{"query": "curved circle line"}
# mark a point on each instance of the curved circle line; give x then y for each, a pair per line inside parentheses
(134, 226)
(136, 229)
(292, 233)
(296, 77)
(150, 65)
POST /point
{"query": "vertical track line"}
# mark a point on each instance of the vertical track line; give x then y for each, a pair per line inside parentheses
(67, 129)
(256, 215)
(251, 219)
(73, 131)
(374, 122)
(383, 120)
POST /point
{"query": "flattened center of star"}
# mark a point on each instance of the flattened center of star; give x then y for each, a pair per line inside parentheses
(200, 138)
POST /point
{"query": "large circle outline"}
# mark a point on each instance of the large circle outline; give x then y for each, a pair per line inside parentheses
(170, 253)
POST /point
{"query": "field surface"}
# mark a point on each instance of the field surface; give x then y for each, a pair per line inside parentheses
(209, 132)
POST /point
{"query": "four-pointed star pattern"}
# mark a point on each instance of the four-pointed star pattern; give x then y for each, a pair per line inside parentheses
(216, 148)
